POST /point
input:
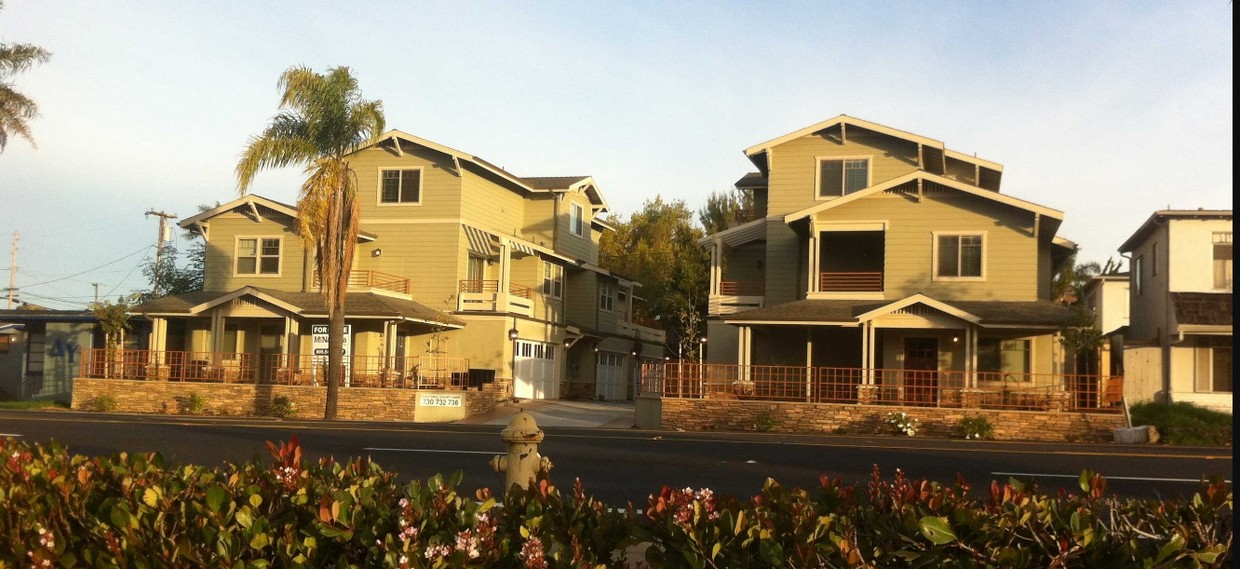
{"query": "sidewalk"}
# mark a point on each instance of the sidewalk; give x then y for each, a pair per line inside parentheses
(556, 413)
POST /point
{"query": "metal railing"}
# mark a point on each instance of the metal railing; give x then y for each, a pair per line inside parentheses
(851, 282)
(490, 286)
(901, 387)
(742, 288)
(373, 279)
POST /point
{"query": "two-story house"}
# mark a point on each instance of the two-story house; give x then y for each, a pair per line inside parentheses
(1106, 299)
(882, 261)
(463, 270)
(1179, 344)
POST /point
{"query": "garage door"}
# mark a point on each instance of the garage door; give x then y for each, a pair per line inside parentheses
(535, 371)
(609, 377)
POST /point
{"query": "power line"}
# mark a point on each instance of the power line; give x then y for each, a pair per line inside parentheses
(144, 248)
(135, 267)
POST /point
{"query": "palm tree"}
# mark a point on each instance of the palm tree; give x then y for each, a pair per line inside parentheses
(323, 119)
(15, 108)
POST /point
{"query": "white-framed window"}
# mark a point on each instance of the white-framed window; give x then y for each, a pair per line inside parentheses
(959, 256)
(1138, 274)
(400, 186)
(1222, 261)
(1010, 359)
(1213, 373)
(606, 297)
(553, 280)
(842, 176)
(577, 219)
(258, 256)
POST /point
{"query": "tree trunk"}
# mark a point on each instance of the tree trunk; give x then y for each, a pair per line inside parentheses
(335, 359)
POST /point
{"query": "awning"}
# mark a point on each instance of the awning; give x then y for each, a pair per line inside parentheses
(480, 242)
(522, 247)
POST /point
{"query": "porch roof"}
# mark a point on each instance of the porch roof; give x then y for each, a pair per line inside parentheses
(305, 304)
(1202, 308)
(989, 313)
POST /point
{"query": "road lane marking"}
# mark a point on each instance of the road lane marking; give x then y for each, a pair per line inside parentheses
(1077, 476)
(432, 450)
(9, 435)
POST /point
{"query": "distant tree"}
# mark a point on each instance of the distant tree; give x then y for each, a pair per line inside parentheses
(1069, 284)
(176, 277)
(323, 118)
(16, 109)
(657, 246)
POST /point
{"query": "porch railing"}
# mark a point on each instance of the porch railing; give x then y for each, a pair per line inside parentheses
(742, 288)
(488, 286)
(851, 282)
(425, 372)
(374, 279)
(989, 390)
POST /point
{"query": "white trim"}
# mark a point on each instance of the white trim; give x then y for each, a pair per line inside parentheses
(844, 324)
(574, 207)
(934, 256)
(258, 256)
(605, 291)
(819, 295)
(818, 160)
(284, 208)
(240, 293)
(400, 191)
(833, 226)
(916, 299)
(842, 119)
(406, 220)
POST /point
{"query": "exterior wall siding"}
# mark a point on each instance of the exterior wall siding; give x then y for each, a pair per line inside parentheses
(226, 229)
(794, 164)
(440, 191)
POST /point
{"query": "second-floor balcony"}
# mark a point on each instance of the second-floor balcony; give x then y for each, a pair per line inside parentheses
(639, 328)
(734, 296)
(850, 282)
(373, 279)
(486, 296)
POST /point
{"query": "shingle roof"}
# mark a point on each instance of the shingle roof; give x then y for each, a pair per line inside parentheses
(1202, 308)
(47, 315)
(751, 180)
(1034, 313)
(312, 304)
(552, 182)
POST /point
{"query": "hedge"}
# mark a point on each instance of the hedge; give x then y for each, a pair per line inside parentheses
(139, 510)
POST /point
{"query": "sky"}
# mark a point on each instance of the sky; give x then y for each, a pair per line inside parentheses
(1106, 111)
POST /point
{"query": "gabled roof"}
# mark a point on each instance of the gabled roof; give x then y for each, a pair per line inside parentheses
(928, 177)
(741, 234)
(1043, 314)
(305, 304)
(198, 223)
(1165, 215)
(918, 299)
(570, 183)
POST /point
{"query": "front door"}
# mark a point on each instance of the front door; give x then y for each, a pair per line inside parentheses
(921, 370)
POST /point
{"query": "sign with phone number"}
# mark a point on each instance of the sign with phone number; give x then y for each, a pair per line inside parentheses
(428, 400)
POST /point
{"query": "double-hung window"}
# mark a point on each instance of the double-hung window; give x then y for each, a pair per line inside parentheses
(840, 177)
(606, 300)
(959, 256)
(1222, 261)
(576, 220)
(553, 280)
(400, 186)
(258, 256)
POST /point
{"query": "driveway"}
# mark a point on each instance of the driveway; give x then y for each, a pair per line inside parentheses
(558, 413)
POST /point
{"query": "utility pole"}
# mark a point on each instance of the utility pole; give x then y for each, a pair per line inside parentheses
(164, 236)
(13, 268)
(96, 285)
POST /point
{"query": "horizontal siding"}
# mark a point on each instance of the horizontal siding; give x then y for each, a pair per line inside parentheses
(539, 224)
(746, 263)
(441, 187)
(794, 166)
(569, 244)
(488, 204)
(783, 251)
(224, 231)
(580, 304)
(430, 255)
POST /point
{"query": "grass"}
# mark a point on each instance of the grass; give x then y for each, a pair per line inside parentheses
(1185, 423)
(24, 405)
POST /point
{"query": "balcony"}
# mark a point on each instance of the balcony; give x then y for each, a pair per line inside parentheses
(639, 329)
(373, 279)
(736, 296)
(851, 282)
(485, 296)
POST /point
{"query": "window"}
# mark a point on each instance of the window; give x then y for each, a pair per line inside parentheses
(576, 219)
(959, 256)
(606, 302)
(1138, 278)
(553, 280)
(1154, 259)
(258, 256)
(1222, 261)
(400, 186)
(840, 177)
(1007, 359)
(1213, 374)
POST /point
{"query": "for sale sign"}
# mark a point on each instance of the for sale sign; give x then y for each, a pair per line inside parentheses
(318, 333)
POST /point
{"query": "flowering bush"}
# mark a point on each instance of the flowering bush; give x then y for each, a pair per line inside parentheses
(975, 428)
(901, 423)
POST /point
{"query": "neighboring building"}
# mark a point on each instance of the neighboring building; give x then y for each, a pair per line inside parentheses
(1179, 344)
(41, 351)
(882, 258)
(1106, 298)
(463, 272)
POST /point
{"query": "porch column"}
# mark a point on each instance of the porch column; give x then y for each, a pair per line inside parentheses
(809, 364)
(505, 276)
(158, 340)
(970, 356)
(217, 333)
(716, 275)
(745, 352)
(389, 343)
(869, 353)
(814, 279)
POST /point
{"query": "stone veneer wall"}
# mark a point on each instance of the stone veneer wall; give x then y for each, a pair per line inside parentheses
(245, 399)
(784, 417)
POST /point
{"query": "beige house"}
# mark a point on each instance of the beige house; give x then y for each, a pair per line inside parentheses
(464, 273)
(882, 265)
(1106, 298)
(1178, 346)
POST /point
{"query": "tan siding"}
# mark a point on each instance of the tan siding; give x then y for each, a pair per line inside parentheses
(224, 231)
(783, 254)
(428, 254)
(488, 204)
(569, 244)
(794, 166)
(441, 187)
(746, 263)
(539, 224)
(580, 300)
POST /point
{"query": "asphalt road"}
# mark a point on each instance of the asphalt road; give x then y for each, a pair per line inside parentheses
(627, 465)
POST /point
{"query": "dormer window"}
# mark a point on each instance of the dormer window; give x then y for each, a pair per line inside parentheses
(576, 220)
(842, 176)
(403, 187)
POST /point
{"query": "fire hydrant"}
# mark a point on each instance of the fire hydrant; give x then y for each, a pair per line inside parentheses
(522, 463)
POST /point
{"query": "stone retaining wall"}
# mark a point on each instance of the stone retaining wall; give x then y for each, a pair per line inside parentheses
(247, 399)
(788, 417)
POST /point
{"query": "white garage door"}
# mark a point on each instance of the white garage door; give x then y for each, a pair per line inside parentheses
(609, 377)
(535, 371)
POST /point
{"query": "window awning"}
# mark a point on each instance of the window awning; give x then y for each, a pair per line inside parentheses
(480, 242)
(522, 247)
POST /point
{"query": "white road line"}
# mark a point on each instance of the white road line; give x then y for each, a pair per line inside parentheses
(1031, 475)
(441, 451)
(2, 435)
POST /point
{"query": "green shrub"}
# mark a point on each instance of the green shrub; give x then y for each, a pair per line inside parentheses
(138, 510)
(765, 421)
(104, 404)
(1183, 423)
(901, 423)
(978, 427)
(195, 404)
(281, 406)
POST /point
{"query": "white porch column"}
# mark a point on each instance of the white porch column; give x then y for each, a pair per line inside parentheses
(865, 354)
(158, 340)
(505, 276)
(217, 332)
(971, 355)
(871, 337)
(815, 281)
(716, 272)
(809, 364)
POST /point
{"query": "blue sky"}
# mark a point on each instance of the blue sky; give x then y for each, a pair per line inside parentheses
(1104, 110)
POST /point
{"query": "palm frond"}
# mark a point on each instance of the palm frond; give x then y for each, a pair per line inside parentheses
(18, 57)
(16, 110)
(271, 150)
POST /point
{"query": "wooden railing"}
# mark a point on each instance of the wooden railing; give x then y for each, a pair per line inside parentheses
(947, 388)
(742, 288)
(373, 279)
(489, 286)
(851, 282)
